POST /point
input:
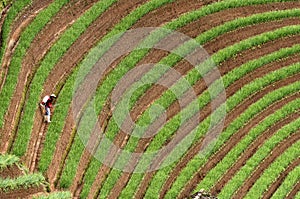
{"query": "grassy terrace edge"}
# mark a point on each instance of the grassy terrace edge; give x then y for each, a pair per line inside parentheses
(8, 160)
(26, 181)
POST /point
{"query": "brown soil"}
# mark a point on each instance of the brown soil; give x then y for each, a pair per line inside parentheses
(279, 149)
(221, 153)
(11, 172)
(21, 193)
(90, 149)
(156, 93)
(250, 151)
(272, 189)
(219, 43)
(61, 151)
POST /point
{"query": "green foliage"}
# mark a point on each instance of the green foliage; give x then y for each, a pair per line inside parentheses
(4, 3)
(242, 45)
(111, 132)
(25, 182)
(8, 160)
(297, 195)
(56, 195)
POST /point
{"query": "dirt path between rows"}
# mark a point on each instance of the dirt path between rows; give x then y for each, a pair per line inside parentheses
(198, 88)
(279, 149)
(275, 185)
(250, 151)
(211, 47)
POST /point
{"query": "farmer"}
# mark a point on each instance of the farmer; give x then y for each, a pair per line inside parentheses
(47, 104)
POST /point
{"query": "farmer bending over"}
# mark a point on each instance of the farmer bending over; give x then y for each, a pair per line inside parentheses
(47, 103)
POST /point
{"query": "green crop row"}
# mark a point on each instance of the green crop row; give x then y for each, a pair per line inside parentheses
(24, 42)
(228, 80)
(25, 182)
(246, 91)
(196, 163)
(52, 57)
(78, 147)
(287, 185)
(253, 162)
(54, 131)
(8, 160)
(56, 195)
(13, 12)
(278, 166)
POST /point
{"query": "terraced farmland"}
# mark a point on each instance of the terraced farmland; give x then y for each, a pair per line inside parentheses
(155, 98)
